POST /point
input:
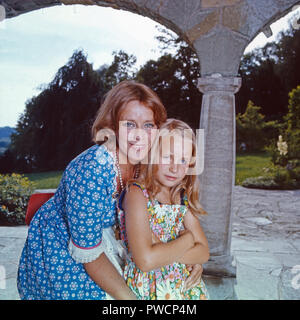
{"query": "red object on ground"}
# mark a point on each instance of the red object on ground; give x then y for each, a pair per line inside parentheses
(35, 202)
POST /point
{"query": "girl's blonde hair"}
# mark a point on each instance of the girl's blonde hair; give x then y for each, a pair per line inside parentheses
(190, 184)
(119, 96)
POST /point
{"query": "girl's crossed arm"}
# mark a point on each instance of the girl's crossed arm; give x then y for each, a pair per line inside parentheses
(199, 253)
(148, 256)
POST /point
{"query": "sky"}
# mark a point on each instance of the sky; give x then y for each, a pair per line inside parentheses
(33, 46)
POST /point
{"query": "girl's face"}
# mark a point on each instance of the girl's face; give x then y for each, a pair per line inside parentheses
(136, 132)
(174, 161)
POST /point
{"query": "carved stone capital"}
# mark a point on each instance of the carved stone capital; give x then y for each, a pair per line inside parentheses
(218, 83)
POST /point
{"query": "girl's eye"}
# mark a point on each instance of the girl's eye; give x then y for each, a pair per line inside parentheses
(166, 159)
(183, 161)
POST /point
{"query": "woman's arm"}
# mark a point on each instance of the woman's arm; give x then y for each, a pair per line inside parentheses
(103, 272)
(199, 253)
(146, 255)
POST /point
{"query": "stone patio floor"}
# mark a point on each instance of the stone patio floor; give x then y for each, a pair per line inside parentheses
(266, 243)
(265, 246)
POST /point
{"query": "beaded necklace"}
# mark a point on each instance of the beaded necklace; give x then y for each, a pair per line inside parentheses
(136, 175)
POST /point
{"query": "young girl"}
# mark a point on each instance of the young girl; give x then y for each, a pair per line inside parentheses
(160, 228)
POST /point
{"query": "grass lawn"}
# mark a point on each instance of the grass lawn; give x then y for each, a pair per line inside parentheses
(250, 165)
(45, 180)
(247, 165)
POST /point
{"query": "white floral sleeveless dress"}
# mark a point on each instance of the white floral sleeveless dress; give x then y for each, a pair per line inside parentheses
(166, 282)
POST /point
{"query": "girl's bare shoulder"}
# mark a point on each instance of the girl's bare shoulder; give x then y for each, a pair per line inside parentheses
(134, 195)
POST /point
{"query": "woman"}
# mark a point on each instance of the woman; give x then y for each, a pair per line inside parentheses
(64, 255)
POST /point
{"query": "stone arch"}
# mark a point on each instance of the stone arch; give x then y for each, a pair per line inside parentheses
(218, 30)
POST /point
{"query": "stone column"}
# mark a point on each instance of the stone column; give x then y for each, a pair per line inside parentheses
(218, 177)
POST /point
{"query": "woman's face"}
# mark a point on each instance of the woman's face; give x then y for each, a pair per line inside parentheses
(136, 132)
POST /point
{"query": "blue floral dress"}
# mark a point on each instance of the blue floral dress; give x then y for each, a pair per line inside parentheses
(68, 230)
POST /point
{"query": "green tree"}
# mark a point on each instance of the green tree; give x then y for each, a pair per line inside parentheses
(249, 128)
(289, 132)
(7, 162)
(174, 76)
(292, 119)
(55, 126)
(122, 68)
(288, 54)
(285, 150)
(270, 73)
(262, 83)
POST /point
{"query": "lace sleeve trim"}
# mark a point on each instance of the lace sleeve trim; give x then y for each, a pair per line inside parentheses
(114, 250)
(85, 255)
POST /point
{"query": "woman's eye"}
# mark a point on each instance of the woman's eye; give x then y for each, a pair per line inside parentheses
(149, 125)
(130, 124)
(166, 159)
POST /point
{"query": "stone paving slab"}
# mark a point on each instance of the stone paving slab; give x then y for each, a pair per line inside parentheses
(265, 243)
(265, 246)
(11, 244)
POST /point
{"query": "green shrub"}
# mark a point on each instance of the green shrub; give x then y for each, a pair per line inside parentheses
(292, 118)
(15, 190)
(293, 140)
(261, 182)
(271, 130)
(276, 177)
(295, 173)
(279, 151)
(284, 170)
(289, 130)
(249, 128)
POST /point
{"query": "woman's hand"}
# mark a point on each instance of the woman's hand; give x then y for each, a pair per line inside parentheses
(195, 276)
(106, 276)
(194, 269)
